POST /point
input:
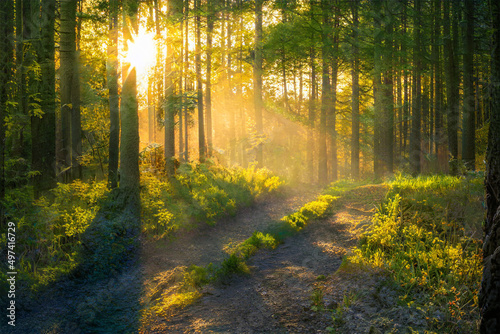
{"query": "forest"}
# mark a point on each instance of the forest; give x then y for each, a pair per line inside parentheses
(250, 166)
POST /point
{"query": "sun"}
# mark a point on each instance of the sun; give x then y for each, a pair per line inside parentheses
(141, 53)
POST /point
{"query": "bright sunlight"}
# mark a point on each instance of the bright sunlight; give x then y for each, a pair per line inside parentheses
(141, 52)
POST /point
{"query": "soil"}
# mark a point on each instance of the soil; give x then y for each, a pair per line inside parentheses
(291, 289)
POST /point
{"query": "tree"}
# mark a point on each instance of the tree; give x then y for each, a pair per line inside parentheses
(355, 95)
(199, 83)
(6, 73)
(43, 127)
(451, 78)
(416, 117)
(325, 93)
(489, 296)
(469, 124)
(69, 112)
(173, 11)
(257, 78)
(114, 108)
(129, 145)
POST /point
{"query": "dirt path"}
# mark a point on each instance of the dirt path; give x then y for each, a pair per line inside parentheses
(114, 305)
(277, 296)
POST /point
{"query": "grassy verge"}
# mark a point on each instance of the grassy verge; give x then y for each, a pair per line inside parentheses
(52, 233)
(186, 288)
(427, 237)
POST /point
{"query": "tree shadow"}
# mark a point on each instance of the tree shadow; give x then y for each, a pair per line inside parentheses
(102, 295)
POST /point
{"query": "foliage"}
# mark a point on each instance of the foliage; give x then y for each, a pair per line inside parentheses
(426, 235)
(48, 233)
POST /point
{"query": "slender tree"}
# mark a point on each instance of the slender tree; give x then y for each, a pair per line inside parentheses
(489, 296)
(469, 124)
(199, 84)
(114, 108)
(6, 74)
(67, 58)
(416, 120)
(43, 127)
(173, 11)
(355, 95)
(257, 79)
(129, 143)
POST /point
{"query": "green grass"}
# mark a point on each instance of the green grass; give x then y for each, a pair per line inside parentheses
(427, 236)
(52, 231)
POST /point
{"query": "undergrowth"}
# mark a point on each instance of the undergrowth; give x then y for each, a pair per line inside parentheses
(427, 236)
(82, 225)
(195, 277)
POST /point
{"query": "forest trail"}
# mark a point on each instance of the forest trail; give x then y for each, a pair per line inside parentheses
(276, 297)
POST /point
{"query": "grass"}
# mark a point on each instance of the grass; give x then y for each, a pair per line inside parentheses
(51, 232)
(195, 277)
(426, 234)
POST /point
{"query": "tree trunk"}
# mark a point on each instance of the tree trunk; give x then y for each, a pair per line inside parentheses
(489, 295)
(377, 90)
(208, 88)
(173, 11)
(6, 74)
(114, 108)
(325, 95)
(333, 114)
(355, 96)
(67, 59)
(387, 133)
(469, 126)
(451, 90)
(129, 146)
(199, 84)
(43, 128)
(257, 80)
(415, 135)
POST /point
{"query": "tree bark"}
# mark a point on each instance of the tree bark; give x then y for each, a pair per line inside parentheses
(199, 84)
(114, 108)
(416, 121)
(67, 58)
(469, 124)
(6, 74)
(355, 97)
(257, 81)
(129, 146)
(43, 128)
(489, 295)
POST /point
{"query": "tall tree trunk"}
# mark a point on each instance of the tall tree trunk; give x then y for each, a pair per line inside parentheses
(438, 88)
(387, 133)
(6, 74)
(199, 84)
(355, 96)
(129, 146)
(489, 295)
(43, 127)
(257, 80)
(114, 108)
(325, 95)
(416, 121)
(208, 87)
(76, 122)
(229, 88)
(377, 90)
(333, 115)
(173, 11)
(469, 126)
(451, 89)
(186, 82)
(67, 58)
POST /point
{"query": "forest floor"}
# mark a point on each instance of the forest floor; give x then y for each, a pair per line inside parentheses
(294, 288)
